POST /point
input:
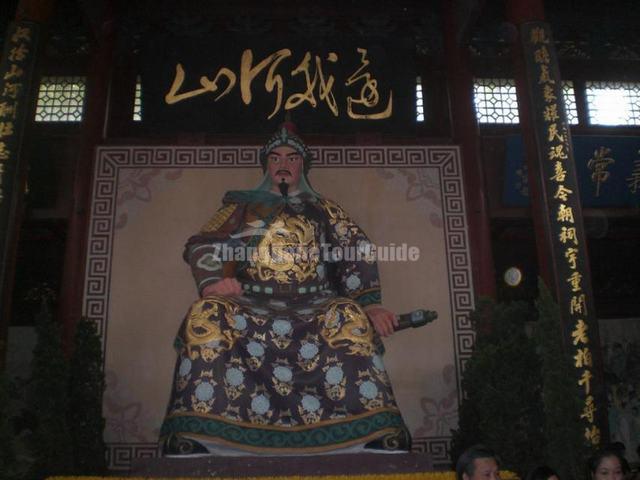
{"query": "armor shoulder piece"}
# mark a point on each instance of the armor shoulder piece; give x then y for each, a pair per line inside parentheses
(335, 211)
(220, 217)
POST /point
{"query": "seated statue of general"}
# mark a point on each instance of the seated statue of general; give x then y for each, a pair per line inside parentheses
(282, 354)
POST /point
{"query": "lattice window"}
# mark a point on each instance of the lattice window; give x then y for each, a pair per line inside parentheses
(613, 103)
(137, 102)
(496, 100)
(60, 99)
(419, 101)
(569, 95)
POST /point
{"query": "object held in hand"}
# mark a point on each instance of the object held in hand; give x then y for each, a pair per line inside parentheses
(415, 319)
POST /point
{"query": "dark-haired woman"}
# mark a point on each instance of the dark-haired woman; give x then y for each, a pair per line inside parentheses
(607, 464)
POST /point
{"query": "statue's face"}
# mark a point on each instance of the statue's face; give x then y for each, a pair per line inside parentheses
(285, 163)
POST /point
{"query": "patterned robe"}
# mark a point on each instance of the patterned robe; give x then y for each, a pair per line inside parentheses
(292, 365)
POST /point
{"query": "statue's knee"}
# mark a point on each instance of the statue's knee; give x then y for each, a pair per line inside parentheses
(209, 326)
(351, 310)
(211, 306)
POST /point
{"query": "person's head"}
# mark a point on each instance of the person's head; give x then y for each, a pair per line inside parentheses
(286, 136)
(542, 473)
(607, 464)
(285, 164)
(478, 463)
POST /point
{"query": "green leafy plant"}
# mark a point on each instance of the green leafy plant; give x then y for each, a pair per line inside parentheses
(565, 448)
(7, 452)
(47, 401)
(502, 405)
(86, 387)
(519, 397)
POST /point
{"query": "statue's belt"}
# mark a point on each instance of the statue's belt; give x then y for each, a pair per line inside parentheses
(414, 319)
(284, 289)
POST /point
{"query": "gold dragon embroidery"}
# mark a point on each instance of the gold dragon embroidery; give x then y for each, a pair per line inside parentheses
(286, 252)
(203, 327)
(345, 325)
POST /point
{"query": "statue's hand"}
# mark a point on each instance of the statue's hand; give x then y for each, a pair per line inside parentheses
(227, 287)
(383, 320)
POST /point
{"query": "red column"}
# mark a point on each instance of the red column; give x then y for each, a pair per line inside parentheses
(93, 133)
(38, 11)
(466, 134)
(17, 107)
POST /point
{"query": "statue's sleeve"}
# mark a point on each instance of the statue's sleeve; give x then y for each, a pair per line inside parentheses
(355, 268)
(204, 251)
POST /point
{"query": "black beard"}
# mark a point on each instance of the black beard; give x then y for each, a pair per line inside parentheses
(284, 188)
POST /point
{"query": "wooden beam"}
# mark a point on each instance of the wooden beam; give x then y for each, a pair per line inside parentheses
(557, 211)
(94, 126)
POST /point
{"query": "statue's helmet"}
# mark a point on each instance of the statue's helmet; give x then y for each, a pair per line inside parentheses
(286, 135)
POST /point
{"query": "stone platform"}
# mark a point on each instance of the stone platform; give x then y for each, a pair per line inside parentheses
(309, 465)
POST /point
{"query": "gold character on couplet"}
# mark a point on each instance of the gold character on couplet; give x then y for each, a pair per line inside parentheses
(585, 381)
(550, 113)
(11, 90)
(583, 358)
(557, 152)
(568, 234)
(21, 33)
(545, 76)
(549, 94)
(578, 304)
(598, 165)
(562, 193)
(6, 129)
(633, 181)
(559, 173)
(541, 55)
(589, 409)
(571, 254)
(14, 72)
(565, 213)
(579, 334)
(7, 110)
(369, 96)
(552, 132)
(19, 53)
(538, 35)
(4, 151)
(592, 434)
(574, 280)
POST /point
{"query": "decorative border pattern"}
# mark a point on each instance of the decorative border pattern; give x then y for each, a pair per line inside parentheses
(110, 159)
(120, 455)
(438, 447)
